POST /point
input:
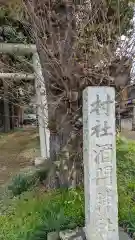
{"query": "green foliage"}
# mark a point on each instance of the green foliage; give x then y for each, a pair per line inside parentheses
(26, 180)
(21, 183)
(33, 215)
(123, 12)
(11, 24)
(118, 13)
(126, 183)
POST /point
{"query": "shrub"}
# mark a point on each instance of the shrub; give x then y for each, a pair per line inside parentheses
(26, 179)
(21, 183)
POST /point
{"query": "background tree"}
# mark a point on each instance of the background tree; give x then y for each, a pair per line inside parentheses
(77, 43)
(12, 101)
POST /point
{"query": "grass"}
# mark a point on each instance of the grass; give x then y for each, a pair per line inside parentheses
(33, 214)
(126, 183)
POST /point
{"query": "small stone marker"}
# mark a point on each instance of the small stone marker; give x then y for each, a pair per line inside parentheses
(53, 236)
(101, 211)
(76, 234)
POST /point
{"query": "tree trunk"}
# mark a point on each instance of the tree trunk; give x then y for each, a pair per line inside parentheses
(6, 108)
(57, 41)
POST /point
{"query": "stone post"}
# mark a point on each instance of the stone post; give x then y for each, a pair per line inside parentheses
(44, 132)
(6, 108)
(133, 118)
(100, 182)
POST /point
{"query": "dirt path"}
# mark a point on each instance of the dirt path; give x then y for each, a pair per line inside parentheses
(16, 151)
(128, 134)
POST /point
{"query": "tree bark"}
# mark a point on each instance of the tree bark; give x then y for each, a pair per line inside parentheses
(55, 51)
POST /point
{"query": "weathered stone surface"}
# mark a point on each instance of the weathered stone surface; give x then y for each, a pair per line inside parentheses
(123, 235)
(53, 236)
(39, 161)
(101, 210)
(77, 234)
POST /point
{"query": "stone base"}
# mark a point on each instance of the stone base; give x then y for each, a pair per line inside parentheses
(79, 234)
(39, 161)
(123, 235)
(53, 236)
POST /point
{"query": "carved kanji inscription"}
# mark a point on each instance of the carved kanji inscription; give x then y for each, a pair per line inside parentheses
(100, 164)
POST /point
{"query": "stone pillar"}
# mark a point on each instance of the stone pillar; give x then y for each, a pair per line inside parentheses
(118, 120)
(133, 118)
(6, 108)
(100, 182)
(12, 116)
(42, 108)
